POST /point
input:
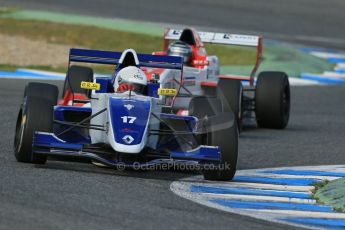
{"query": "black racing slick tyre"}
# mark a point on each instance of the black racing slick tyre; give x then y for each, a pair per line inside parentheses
(272, 100)
(201, 106)
(227, 140)
(230, 91)
(75, 75)
(221, 130)
(42, 90)
(36, 114)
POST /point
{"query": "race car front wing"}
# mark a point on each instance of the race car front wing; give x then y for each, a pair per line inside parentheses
(50, 145)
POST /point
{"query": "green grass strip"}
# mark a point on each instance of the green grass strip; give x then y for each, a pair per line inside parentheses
(332, 193)
(119, 34)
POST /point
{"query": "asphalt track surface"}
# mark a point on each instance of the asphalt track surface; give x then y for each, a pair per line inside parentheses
(60, 195)
(310, 22)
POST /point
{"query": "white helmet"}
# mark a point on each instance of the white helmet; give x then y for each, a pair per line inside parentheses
(131, 75)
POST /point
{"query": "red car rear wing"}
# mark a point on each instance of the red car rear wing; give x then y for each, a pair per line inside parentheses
(221, 38)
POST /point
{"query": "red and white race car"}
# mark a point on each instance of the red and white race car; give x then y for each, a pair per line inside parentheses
(268, 97)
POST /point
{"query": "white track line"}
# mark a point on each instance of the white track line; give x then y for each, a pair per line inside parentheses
(282, 176)
(326, 55)
(41, 72)
(287, 188)
(255, 198)
(334, 75)
(302, 82)
(323, 168)
(326, 215)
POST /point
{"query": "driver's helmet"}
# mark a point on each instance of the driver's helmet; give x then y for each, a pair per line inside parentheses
(130, 78)
(181, 49)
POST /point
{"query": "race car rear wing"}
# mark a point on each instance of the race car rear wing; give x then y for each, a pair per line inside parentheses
(113, 58)
(223, 39)
(218, 38)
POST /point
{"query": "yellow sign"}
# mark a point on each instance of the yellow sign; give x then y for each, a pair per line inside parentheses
(167, 92)
(90, 85)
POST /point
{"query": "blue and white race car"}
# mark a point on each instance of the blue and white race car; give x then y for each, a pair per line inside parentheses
(127, 119)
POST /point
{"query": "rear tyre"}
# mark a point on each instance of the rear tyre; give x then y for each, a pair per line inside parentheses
(75, 75)
(221, 130)
(272, 100)
(36, 114)
(230, 92)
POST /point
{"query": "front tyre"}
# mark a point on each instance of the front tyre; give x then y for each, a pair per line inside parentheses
(222, 131)
(227, 140)
(36, 114)
(230, 92)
